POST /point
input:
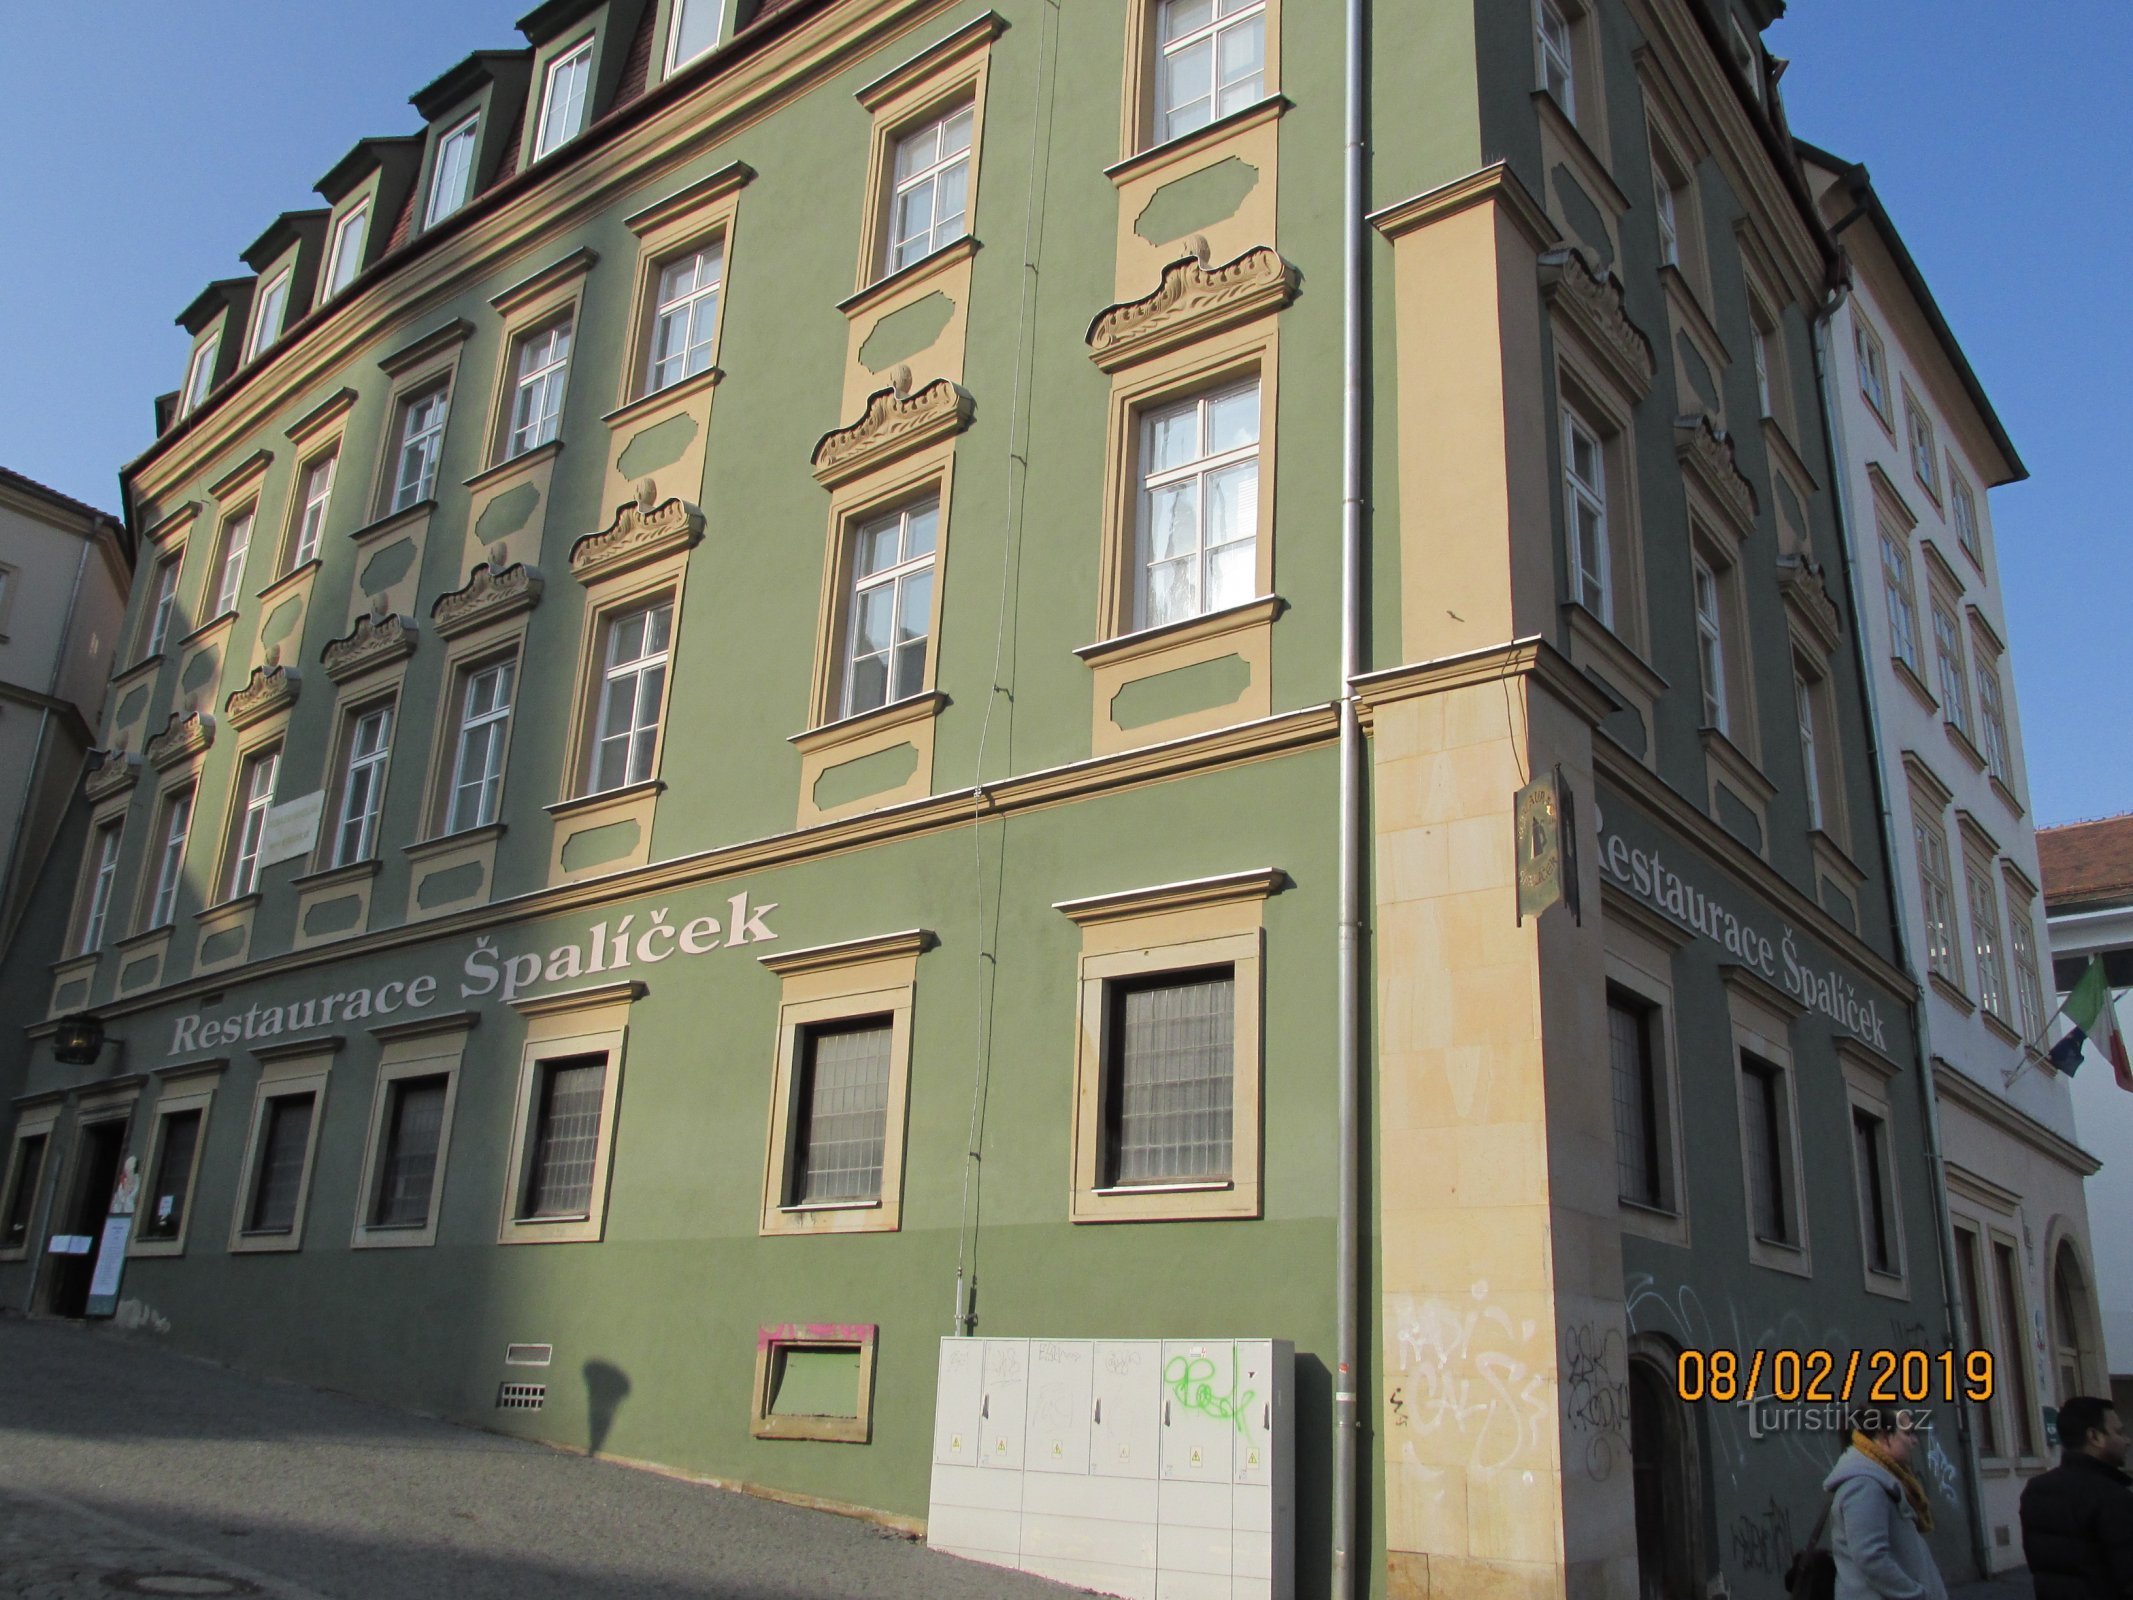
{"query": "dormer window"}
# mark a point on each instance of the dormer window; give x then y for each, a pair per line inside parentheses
(349, 237)
(563, 101)
(695, 31)
(200, 376)
(452, 184)
(267, 317)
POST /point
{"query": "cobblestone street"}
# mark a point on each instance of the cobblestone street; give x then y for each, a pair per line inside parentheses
(125, 1469)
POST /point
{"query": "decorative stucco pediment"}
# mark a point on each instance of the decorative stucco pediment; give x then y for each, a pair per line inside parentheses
(1193, 300)
(641, 532)
(377, 638)
(492, 590)
(272, 687)
(1591, 299)
(186, 734)
(1707, 454)
(897, 421)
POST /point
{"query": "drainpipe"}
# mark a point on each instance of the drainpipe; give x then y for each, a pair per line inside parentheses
(1929, 1102)
(1347, 1271)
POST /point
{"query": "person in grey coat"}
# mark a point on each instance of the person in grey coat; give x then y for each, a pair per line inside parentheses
(1879, 1516)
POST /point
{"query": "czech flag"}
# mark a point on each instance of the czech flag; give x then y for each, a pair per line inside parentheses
(2091, 1009)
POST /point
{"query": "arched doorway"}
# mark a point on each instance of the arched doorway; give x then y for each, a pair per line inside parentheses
(1668, 1481)
(2073, 1343)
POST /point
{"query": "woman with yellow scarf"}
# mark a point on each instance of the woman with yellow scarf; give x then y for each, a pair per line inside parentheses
(1879, 1515)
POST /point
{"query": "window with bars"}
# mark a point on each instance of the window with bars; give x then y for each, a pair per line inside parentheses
(929, 193)
(564, 1138)
(165, 602)
(841, 1113)
(1169, 1079)
(1937, 890)
(1211, 61)
(355, 833)
(170, 1182)
(23, 1173)
(256, 798)
(284, 1148)
(1949, 667)
(563, 99)
(421, 436)
(1711, 645)
(889, 608)
(632, 694)
(229, 568)
(1643, 1153)
(1199, 522)
(478, 756)
(1585, 515)
(102, 883)
(170, 863)
(407, 1168)
(1870, 1158)
(542, 366)
(1985, 935)
(1769, 1189)
(685, 316)
(2015, 1348)
(316, 492)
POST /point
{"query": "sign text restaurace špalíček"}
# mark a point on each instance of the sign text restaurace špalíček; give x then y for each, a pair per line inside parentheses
(486, 971)
(1658, 885)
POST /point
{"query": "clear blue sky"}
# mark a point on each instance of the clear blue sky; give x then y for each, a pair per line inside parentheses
(167, 135)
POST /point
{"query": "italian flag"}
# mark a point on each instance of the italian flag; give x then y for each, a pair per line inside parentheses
(2090, 1007)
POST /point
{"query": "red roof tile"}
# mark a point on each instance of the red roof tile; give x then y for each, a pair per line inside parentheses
(2087, 863)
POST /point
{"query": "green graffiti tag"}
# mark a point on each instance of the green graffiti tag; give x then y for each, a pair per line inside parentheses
(1188, 1379)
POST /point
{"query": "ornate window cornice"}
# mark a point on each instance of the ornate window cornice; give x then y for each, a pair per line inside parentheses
(1707, 454)
(272, 687)
(1193, 300)
(897, 420)
(118, 773)
(641, 532)
(183, 737)
(491, 591)
(1592, 301)
(377, 638)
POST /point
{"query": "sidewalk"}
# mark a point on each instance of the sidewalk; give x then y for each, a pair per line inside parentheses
(2012, 1584)
(126, 1469)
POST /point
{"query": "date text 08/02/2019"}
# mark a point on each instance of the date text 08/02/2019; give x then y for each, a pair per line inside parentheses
(1834, 1377)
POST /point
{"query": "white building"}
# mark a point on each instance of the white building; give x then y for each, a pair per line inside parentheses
(1919, 446)
(2088, 897)
(65, 569)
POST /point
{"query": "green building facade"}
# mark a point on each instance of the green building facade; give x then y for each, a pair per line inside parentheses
(569, 961)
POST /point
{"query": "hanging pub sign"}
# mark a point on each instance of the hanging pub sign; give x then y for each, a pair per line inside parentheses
(1546, 845)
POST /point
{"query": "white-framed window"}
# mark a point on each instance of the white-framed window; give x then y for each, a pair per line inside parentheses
(1877, 1199)
(1925, 454)
(355, 832)
(1169, 1091)
(1769, 1122)
(1667, 209)
(563, 100)
(1711, 645)
(930, 195)
(1644, 1160)
(1897, 591)
(165, 602)
(1963, 503)
(1759, 345)
(2029, 984)
(537, 393)
(1873, 366)
(685, 316)
(421, 437)
(1199, 503)
(170, 859)
(229, 571)
(478, 757)
(1554, 63)
(632, 692)
(1985, 935)
(1952, 675)
(695, 31)
(316, 491)
(1992, 719)
(452, 183)
(200, 375)
(350, 234)
(267, 317)
(1211, 61)
(1745, 60)
(1937, 893)
(108, 838)
(1585, 513)
(1803, 700)
(890, 606)
(255, 799)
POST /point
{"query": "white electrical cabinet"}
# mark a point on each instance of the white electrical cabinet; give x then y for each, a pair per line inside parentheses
(1154, 1469)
